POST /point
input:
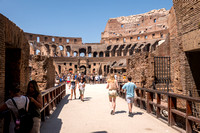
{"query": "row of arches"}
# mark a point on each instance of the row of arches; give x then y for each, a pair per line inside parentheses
(110, 51)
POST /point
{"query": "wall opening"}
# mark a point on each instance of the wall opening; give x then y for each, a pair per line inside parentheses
(38, 39)
(12, 68)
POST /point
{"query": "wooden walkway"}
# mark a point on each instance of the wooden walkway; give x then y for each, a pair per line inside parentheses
(93, 116)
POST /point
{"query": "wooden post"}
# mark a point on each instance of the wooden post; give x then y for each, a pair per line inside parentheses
(148, 104)
(141, 96)
(158, 103)
(188, 113)
(169, 109)
(172, 106)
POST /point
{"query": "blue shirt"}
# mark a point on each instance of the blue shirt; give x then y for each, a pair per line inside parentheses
(129, 87)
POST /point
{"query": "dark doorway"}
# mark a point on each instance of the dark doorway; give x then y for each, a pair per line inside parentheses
(193, 59)
(83, 69)
(12, 67)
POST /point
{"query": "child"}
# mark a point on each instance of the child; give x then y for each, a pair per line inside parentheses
(130, 88)
(82, 89)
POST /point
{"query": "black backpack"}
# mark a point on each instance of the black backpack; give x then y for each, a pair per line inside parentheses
(24, 121)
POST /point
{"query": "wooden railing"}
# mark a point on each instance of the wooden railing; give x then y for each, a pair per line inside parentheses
(50, 98)
(150, 99)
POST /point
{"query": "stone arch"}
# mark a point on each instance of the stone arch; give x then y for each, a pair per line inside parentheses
(38, 52)
(101, 54)
(75, 54)
(114, 50)
(82, 52)
(82, 69)
(89, 51)
(54, 49)
(95, 54)
(68, 50)
(132, 49)
(47, 49)
(126, 49)
(107, 53)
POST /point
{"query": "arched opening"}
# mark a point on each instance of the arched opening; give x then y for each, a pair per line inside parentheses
(111, 70)
(75, 53)
(70, 70)
(54, 48)
(61, 48)
(47, 48)
(108, 69)
(104, 68)
(37, 52)
(101, 54)
(82, 69)
(107, 53)
(59, 69)
(82, 52)
(68, 54)
(89, 54)
(95, 54)
(68, 50)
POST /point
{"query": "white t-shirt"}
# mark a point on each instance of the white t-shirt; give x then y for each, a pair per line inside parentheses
(20, 102)
(81, 86)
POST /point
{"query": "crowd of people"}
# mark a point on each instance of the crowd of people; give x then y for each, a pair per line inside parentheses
(31, 102)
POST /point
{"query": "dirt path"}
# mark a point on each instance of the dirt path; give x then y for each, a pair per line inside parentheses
(93, 116)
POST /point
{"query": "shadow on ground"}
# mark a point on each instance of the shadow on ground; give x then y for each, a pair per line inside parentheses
(100, 132)
(53, 124)
(87, 98)
(119, 112)
(137, 113)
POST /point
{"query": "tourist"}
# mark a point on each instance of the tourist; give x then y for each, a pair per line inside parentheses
(129, 87)
(82, 89)
(112, 86)
(68, 78)
(20, 101)
(72, 86)
(35, 105)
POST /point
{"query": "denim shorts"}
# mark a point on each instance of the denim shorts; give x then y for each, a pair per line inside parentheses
(129, 99)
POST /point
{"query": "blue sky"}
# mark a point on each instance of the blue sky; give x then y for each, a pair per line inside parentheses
(73, 18)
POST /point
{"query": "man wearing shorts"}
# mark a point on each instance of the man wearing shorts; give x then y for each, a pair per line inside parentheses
(129, 87)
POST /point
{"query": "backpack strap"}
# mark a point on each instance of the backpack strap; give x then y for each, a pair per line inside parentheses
(26, 103)
(14, 103)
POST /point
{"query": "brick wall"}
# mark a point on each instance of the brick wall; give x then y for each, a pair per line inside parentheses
(12, 37)
(43, 71)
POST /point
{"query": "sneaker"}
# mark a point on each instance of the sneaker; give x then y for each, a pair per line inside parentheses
(130, 114)
(111, 112)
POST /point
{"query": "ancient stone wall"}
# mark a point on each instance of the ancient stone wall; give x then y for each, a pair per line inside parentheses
(184, 40)
(14, 50)
(142, 27)
(43, 71)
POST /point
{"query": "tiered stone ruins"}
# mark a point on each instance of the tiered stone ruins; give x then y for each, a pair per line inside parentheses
(128, 46)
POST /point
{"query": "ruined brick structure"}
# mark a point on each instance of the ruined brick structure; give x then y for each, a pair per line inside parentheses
(128, 46)
(181, 45)
(42, 70)
(126, 35)
(14, 53)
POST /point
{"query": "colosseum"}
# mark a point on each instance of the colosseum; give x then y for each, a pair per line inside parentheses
(159, 49)
(122, 37)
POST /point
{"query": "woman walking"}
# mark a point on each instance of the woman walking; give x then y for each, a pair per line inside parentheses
(33, 93)
(82, 89)
(112, 86)
(72, 86)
